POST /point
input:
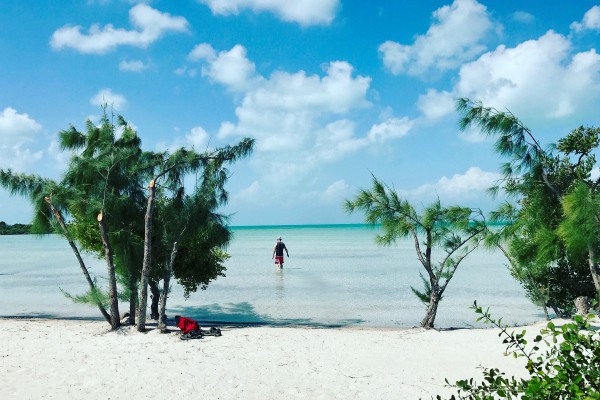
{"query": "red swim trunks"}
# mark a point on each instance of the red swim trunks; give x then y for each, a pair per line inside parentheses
(279, 260)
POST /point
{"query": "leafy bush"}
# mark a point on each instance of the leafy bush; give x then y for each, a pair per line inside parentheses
(568, 369)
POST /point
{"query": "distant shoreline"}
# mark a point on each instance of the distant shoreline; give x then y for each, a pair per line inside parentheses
(307, 226)
(14, 229)
(244, 227)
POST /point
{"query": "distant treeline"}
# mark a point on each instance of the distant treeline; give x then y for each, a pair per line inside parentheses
(16, 229)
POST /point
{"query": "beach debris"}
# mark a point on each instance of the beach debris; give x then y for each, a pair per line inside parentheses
(191, 330)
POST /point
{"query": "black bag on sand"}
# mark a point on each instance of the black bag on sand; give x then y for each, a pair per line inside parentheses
(200, 333)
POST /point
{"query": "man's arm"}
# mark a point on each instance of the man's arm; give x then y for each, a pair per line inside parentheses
(286, 252)
(274, 248)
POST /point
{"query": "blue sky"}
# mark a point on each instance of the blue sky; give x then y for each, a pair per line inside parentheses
(332, 90)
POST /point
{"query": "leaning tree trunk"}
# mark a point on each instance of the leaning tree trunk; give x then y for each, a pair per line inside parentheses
(545, 308)
(155, 298)
(84, 269)
(143, 298)
(112, 279)
(556, 310)
(594, 268)
(537, 294)
(434, 301)
(162, 319)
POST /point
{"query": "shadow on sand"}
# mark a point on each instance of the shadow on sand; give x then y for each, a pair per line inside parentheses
(243, 314)
(231, 314)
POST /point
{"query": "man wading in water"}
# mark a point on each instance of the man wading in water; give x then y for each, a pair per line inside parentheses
(278, 253)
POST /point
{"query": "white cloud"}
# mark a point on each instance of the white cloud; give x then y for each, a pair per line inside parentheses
(301, 122)
(336, 192)
(436, 104)
(108, 97)
(202, 51)
(18, 132)
(304, 12)
(286, 108)
(132, 66)
(537, 77)
(591, 20)
(14, 125)
(392, 128)
(336, 92)
(198, 138)
(251, 194)
(470, 185)
(150, 25)
(453, 38)
(229, 68)
(335, 140)
(523, 17)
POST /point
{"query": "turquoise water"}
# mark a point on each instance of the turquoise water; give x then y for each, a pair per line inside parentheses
(336, 275)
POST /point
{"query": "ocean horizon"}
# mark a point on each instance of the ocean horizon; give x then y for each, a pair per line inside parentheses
(336, 276)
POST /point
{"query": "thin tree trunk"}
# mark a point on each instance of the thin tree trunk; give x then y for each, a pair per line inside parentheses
(89, 280)
(431, 313)
(84, 269)
(132, 299)
(594, 268)
(112, 279)
(155, 298)
(546, 311)
(143, 297)
(162, 319)
(537, 293)
(558, 312)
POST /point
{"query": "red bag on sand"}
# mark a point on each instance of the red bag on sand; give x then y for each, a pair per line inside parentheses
(187, 324)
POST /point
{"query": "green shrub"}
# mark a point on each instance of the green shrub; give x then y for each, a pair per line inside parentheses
(569, 368)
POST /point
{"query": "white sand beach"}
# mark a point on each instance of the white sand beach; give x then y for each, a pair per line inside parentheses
(68, 359)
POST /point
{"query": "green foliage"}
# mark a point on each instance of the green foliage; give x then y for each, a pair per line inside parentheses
(108, 173)
(37, 189)
(568, 368)
(425, 294)
(201, 232)
(92, 297)
(198, 265)
(514, 139)
(580, 229)
(456, 231)
(553, 224)
(126, 290)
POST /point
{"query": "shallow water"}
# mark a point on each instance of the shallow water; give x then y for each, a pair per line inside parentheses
(336, 275)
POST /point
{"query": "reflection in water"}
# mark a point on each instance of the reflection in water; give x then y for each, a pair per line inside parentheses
(279, 287)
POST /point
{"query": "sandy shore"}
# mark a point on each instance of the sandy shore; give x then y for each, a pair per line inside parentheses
(66, 359)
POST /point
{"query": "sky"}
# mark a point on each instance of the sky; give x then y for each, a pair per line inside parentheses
(333, 91)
